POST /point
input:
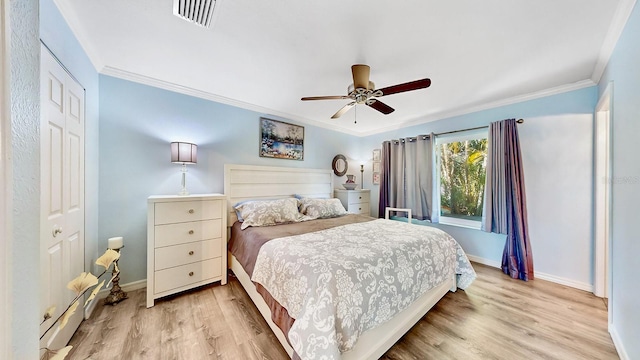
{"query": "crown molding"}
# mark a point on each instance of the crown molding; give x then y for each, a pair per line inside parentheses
(491, 105)
(146, 80)
(619, 21)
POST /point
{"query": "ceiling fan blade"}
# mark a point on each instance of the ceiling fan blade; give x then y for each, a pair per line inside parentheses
(360, 76)
(343, 110)
(338, 97)
(412, 85)
(380, 106)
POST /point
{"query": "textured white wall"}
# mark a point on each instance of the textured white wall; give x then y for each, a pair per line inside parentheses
(5, 194)
(25, 123)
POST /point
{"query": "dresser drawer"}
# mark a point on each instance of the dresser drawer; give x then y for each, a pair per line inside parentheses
(361, 208)
(183, 211)
(358, 197)
(186, 243)
(181, 233)
(184, 275)
(171, 256)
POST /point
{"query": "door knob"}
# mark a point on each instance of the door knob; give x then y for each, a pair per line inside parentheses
(56, 230)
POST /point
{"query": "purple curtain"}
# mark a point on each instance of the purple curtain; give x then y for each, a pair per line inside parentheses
(385, 179)
(505, 205)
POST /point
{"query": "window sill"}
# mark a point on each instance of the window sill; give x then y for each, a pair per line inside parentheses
(469, 224)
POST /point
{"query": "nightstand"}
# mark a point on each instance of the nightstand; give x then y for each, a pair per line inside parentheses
(186, 246)
(355, 201)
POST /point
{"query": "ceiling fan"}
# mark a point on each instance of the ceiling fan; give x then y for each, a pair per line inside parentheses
(363, 91)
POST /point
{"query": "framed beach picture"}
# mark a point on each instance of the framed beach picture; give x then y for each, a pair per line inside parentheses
(281, 140)
(376, 154)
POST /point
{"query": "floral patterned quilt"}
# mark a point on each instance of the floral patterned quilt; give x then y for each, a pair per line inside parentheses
(338, 283)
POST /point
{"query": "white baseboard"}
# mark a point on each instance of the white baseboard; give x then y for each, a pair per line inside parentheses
(484, 261)
(539, 275)
(132, 286)
(618, 343)
(564, 281)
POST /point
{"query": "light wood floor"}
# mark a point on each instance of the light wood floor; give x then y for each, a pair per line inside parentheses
(496, 318)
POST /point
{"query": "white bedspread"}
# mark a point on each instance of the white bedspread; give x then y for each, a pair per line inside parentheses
(340, 282)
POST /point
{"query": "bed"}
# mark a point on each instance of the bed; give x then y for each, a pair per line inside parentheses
(285, 274)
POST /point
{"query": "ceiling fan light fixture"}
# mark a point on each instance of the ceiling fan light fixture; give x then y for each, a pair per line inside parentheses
(199, 12)
(363, 91)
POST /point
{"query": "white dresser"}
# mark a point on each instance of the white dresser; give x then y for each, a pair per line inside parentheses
(186, 243)
(355, 201)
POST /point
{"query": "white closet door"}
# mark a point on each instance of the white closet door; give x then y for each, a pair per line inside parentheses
(62, 193)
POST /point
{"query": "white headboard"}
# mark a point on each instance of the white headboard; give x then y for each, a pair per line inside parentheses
(247, 182)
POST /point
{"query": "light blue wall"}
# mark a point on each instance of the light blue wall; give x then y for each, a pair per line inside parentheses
(556, 141)
(56, 35)
(137, 123)
(24, 85)
(624, 70)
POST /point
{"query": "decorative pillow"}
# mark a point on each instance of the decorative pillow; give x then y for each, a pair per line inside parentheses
(322, 208)
(268, 212)
(300, 197)
(237, 205)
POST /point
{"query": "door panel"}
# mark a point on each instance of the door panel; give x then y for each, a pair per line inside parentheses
(54, 162)
(62, 194)
(75, 162)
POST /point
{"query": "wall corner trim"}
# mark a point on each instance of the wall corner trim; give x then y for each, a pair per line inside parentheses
(617, 342)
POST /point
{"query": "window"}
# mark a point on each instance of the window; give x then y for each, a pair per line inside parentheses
(461, 165)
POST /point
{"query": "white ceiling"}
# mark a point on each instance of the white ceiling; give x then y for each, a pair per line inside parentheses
(266, 55)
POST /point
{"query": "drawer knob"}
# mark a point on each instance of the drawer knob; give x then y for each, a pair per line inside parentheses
(359, 197)
(191, 252)
(359, 208)
(190, 232)
(190, 273)
(191, 211)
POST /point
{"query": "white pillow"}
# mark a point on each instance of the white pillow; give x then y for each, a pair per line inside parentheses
(322, 208)
(268, 212)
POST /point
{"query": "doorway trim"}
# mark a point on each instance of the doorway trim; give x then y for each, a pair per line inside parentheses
(603, 182)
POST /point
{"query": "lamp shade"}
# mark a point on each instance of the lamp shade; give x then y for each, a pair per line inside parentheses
(183, 152)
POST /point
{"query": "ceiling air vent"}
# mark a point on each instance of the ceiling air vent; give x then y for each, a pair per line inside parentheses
(199, 12)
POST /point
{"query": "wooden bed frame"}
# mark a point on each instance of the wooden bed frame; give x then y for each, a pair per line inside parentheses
(244, 182)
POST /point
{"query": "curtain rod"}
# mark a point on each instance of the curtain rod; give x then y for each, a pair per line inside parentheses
(519, 121)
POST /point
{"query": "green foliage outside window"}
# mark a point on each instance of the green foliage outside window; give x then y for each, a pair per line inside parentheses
(462, 177)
